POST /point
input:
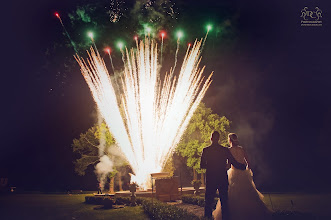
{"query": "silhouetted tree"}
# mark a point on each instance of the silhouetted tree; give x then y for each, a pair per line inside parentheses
(97, 141)
(197, 136)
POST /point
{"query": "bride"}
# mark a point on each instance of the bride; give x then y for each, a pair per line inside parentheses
(245, 201)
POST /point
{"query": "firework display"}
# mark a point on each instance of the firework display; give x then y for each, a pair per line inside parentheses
(66, 32)
(150, 115)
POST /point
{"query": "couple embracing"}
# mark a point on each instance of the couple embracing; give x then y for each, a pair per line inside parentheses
(239, 198)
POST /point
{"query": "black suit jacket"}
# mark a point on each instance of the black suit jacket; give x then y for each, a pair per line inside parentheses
(214, 159)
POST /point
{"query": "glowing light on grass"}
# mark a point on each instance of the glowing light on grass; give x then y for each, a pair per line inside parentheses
(151, 114)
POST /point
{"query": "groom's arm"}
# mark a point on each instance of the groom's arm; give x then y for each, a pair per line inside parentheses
(233, 161)
(203, 161)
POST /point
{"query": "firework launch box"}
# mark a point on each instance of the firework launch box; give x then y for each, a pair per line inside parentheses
(166, 187)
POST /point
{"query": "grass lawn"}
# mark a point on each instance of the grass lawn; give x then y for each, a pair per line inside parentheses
(72, 207)
(48, 206)
(317, 204)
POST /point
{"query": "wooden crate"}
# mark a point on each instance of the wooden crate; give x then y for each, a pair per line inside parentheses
(167, 188)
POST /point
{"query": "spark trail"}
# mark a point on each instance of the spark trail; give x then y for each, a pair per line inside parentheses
(150, 115)
(65, 30)
(179, 35)
(91, 36)
(136, 40)
(162, 37)
(209, 27)
(111, 60)
(120, 45)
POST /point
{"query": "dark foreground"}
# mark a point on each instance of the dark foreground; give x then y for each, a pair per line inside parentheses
(316, 204)
(63, 206)
(48, 206)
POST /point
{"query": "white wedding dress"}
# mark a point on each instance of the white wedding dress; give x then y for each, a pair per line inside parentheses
(245, 201)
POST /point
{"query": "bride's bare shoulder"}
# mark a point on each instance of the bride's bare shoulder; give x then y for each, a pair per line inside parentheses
(237, 149)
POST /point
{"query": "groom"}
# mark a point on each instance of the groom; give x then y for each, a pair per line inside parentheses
(214, 159)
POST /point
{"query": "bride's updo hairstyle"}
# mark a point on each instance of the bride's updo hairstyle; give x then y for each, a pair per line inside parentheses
(233, 138)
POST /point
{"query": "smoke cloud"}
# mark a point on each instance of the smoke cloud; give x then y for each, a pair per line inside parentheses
(102, 169)
(157, 13)
(82, 14)
(102, 139)
(117, 155)
(105, 166)
(251, 113)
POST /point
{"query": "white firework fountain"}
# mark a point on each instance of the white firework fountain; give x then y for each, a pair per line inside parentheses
(149, 116)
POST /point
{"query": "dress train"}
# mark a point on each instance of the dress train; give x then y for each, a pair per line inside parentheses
(245, 201)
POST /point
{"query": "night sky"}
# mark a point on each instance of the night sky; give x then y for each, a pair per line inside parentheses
(272, 80)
